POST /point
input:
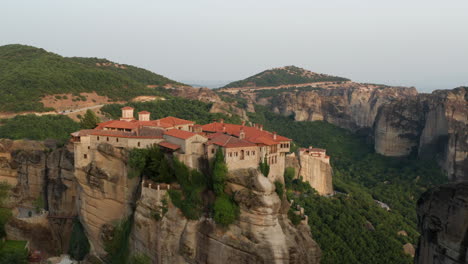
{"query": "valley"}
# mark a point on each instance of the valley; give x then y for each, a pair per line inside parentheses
(344, 191)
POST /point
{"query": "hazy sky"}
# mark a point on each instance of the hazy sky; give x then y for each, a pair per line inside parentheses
(411, 42)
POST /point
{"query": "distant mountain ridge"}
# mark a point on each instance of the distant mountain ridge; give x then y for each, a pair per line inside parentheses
(28, 73)
(288, 75)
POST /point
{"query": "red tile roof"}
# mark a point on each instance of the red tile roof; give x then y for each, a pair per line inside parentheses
(127, 108)
(120, 124)
(228, 141)
(252, 134)
(174, 121)
(179, 133)
(144, 112)
(122, 134)
(169, 145)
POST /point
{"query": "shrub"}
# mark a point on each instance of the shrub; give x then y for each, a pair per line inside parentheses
(279, 189)
(226, 210)
(295, 219)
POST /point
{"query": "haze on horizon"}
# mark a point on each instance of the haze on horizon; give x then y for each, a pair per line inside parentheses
(412, 43)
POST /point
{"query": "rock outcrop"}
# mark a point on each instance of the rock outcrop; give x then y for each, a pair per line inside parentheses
(353, 106)
(263, 233)
(443, 224)
(315, 169)
(433, 126)
(106, 193)
(39, 171)
(398, 119)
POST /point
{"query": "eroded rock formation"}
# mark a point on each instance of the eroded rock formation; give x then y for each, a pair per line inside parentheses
(106, 194)
(432, 125)
(443, 223)
(263, 233)
(399, 120)
(39, 171)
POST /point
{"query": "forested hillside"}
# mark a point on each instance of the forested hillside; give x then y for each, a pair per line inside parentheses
(281, 76)
(28, 73)
(350, 227)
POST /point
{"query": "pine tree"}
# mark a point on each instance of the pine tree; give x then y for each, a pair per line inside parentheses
(89, 120)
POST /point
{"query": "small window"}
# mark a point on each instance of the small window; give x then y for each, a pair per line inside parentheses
(85, 156)
(97, 138)
(107, 139)
(117, 139)
(139, 144)
(247, 153)
(230, 154)
(253, 153)
(212, 151)
(89, 147)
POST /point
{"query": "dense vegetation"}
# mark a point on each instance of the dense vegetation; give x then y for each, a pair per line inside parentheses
(79, 244)
(116, 244)
(340, 224)
(28, 73)
(11, 251)
(153, 164)
(35, 127)
(178, 107)
(285, 75)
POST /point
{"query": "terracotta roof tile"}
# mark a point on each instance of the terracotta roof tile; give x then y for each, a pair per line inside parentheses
(168, 145)
(228, 141)
(174, 121)
(127, 108)
(179, 133)
(252, 134)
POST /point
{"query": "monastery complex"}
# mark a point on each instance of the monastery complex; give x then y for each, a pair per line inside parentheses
(243, 146)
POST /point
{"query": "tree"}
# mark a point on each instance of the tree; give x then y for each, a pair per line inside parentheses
(220, 171)
(89, 120)
(164, 172)
(264, 167)
(79, 244)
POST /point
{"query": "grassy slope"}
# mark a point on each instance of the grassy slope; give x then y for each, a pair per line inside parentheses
(28, 73)
(281, 76)
(338, 223)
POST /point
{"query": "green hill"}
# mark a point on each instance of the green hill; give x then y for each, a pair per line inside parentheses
(282, 76)
(28, 73)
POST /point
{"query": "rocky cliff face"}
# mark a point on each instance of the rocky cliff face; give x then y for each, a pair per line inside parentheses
(432, 125)
(106, 194)
(263, 233)
(39, 171)
(400, 120)
(442, 216)
(353, 106)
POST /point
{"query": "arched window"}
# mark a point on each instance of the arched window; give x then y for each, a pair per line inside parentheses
(242, 154)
